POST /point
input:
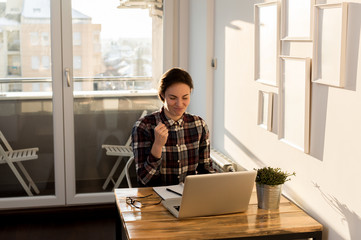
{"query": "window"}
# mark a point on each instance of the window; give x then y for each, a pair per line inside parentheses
(45, 40)
(35, 62)
(13, 40)
(123, 47)
(76, 38)
(34, 38)
(45, 62)
(36, 10)
(77, 62)
(14, 68)
(121, 57)
(119, 50)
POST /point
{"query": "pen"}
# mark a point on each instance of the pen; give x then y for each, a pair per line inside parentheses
(170, 190)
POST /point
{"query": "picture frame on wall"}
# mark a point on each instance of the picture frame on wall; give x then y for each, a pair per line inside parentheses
(296, 20)
(267, 42)
(265, 109)
(329, 48)
(294, 102)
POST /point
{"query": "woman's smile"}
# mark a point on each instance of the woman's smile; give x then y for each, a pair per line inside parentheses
(176, 100)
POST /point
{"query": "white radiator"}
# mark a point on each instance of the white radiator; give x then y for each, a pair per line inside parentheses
(221, 163)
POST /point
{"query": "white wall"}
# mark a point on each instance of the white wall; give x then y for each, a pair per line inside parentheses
(200, 53)
(328, 179)
(197, 52)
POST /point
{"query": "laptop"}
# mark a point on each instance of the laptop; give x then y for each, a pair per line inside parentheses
(213, 194)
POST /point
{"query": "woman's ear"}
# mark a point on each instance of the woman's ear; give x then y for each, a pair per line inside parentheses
(161, 96)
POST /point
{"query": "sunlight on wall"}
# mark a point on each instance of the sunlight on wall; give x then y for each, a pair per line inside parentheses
(327, 178)
(235, 67)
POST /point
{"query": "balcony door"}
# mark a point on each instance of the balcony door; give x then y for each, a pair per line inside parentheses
(77, 74)
(31, 103)
(109, 78)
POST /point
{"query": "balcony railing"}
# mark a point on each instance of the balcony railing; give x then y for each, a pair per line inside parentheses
(82, 87)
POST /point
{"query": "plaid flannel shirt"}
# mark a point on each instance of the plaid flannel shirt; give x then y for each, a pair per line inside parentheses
(186, 152)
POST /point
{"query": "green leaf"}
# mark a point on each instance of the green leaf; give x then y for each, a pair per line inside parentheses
(272, 176)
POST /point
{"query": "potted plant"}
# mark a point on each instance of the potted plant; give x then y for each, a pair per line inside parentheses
(269, 183)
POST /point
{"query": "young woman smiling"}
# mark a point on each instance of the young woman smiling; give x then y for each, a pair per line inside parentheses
(170, 144)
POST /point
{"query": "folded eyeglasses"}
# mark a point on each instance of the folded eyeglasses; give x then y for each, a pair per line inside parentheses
(137, 203)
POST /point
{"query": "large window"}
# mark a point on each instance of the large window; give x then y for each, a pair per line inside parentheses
(70, 81)
(117, 45)
(115, 65)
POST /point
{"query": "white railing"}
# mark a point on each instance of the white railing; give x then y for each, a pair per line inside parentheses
(41, 88)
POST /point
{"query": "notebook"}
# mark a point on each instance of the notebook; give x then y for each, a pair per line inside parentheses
(213, 194)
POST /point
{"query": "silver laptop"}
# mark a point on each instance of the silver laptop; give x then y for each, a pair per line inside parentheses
(213, 194)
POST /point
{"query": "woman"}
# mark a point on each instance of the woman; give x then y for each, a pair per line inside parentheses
(170, 144)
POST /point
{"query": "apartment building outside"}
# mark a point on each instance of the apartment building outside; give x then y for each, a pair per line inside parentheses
(25, 51)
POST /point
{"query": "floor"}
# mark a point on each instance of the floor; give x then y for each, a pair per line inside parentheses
(70, 223)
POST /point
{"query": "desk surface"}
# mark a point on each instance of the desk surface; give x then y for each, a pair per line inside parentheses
(155, 222)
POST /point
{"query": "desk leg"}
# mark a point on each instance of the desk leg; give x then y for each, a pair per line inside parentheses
(118, 228)
(318, 236)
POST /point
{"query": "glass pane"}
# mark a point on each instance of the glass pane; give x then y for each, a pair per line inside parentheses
(116, 65)
(26, 115)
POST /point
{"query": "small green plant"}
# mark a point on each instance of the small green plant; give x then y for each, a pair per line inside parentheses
(272, 176)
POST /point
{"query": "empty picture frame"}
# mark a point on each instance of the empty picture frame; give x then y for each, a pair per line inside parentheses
(329, 48)
(296, 20)
(294, 102)
(267, 42)
(265, 109)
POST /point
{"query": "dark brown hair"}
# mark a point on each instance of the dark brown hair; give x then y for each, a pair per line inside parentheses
(173, 75)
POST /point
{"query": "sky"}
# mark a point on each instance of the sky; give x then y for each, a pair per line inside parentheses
(116, 22)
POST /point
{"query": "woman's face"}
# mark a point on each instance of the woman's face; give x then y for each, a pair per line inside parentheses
(176, 100)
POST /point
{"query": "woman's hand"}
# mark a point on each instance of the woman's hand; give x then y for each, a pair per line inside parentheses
(160, 134)
(160, 138)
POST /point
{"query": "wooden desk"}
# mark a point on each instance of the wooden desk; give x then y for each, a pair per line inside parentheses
(155, 222)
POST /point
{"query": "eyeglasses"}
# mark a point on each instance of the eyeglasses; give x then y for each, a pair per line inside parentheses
(135, 202)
